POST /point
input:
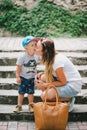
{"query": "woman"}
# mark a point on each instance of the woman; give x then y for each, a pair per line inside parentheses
(59, 71)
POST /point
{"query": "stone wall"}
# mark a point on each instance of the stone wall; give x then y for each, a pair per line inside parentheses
(72, 4)
(28, 3)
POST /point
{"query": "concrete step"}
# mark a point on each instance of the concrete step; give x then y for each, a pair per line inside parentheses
(9, 71)
(10, 97)
(82, 70)
(64, 44)
(10, 55)
(12, 62)
(9, 58)
(79, 113)
(10, 83)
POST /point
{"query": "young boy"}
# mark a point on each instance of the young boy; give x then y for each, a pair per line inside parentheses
(25, 72)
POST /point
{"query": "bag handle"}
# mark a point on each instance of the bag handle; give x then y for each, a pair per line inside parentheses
(57, 96)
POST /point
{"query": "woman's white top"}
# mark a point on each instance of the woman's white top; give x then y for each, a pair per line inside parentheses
(72, 75)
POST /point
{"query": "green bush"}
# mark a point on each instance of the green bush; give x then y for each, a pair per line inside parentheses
(6, 5)
(47, 19)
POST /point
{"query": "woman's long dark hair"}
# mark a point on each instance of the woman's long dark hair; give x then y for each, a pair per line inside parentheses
(48, 56)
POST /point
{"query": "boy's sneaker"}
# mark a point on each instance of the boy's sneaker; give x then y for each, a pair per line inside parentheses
(31, 107)
(71, 104)
(17, 108)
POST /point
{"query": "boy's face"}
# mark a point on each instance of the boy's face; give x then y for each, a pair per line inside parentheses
(31, 47)
(39, 49)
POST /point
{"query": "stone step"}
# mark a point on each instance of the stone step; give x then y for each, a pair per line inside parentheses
(78, 58)
(12, 62)
(10, 83)
(9, 71)
(15, 55)
(79, 113)
(64, 44)
(10, 97)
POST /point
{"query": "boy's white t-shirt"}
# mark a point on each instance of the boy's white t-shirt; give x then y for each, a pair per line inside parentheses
(72, 75)
(28, 65)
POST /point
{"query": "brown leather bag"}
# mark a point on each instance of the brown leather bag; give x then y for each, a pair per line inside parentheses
(51, 115)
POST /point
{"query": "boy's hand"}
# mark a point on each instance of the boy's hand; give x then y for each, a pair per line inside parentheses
(18, 80)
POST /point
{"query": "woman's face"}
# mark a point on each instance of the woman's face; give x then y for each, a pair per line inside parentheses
(39, 49)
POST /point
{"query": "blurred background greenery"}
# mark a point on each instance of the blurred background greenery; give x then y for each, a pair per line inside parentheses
(44, 19)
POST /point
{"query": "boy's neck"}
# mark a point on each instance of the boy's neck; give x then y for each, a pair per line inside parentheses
(29, 54)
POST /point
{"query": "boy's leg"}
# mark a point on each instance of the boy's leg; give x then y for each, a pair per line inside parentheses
(30, 92)
(30, 98)
(20, 99)
(31, 102)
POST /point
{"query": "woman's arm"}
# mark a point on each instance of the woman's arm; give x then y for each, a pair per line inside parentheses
(61, 77)
(61, 80)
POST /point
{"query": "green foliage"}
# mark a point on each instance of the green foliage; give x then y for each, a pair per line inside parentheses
(47, 19)
(6, 5)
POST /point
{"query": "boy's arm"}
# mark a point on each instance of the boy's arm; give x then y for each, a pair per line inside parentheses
(18, 70)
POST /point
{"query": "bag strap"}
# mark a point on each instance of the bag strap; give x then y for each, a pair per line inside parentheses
(57, 96)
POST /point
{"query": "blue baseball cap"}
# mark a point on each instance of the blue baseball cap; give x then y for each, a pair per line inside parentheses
(26, 40)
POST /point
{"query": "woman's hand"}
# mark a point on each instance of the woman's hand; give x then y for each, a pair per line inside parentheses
(38, 76)
(40, 84)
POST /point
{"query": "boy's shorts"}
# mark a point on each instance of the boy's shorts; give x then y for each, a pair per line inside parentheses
(26, 86)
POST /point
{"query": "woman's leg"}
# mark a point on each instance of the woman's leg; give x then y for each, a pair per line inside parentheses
(43, 78)
(65, 93)
(51, 95)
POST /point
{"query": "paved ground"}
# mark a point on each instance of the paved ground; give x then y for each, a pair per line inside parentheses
(31, 126)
